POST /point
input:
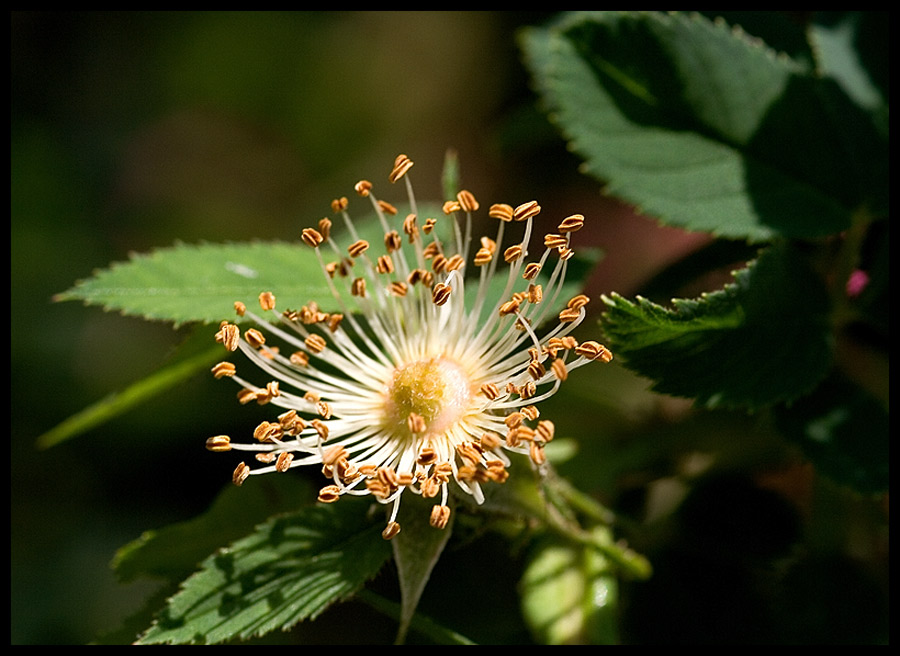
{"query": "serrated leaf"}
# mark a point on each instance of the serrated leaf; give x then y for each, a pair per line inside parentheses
(761, 340)
(705, 128)
(844, 432)
(289, 569)
(188, 283)
(569, 593)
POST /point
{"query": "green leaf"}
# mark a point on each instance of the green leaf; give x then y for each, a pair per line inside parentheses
(416, 551)
(844, 432)
(706, 128)
(569, 593)
(289, 569)
(173, 552)
(188, 283)
(763, 339)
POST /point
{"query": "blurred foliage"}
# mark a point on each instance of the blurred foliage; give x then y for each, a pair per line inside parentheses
(131, 130)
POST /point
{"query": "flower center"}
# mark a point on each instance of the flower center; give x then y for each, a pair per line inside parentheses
(437, 390)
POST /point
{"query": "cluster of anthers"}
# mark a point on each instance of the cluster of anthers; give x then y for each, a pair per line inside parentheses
(418, 383)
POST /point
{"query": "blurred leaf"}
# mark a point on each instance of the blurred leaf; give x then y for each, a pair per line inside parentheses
(763, 339)
(569, 593)
(706, 128)
(174, 552)
(844, 432)
(289, 569)
(851, 47)
(188, 363)
(416, 549)
(187, 283)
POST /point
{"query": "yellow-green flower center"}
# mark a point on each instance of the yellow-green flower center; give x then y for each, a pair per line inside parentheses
(436, 389)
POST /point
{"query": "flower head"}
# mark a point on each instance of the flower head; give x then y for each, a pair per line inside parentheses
(423, 378)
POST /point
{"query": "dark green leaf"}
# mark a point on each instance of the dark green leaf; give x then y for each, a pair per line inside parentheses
(416, 551)
(844, 432)
(763, 339)
(173, 552)
(706, 128)
(289, 569)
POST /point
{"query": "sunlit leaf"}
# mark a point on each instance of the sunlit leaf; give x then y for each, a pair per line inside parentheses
(706, 128)
(289, 569)
(569, 594)
(188, 283)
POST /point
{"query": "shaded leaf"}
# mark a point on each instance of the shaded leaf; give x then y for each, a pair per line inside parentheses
(289, 569)
(174, 552)
(763, 339)
(417, 549)
(844, 432)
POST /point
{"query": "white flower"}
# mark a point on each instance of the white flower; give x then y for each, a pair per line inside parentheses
(417, 386)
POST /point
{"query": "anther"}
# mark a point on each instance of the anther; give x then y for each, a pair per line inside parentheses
(357, 248)
(224, 369)
(532, 269)
(512, 253)
(398, 288)
(490, 441)
(429, 225)
(339, 204)
(363, 187)
(545, 430)
(267, 301)
(325, 227)
(329, 494)
(490, 390)
(450, 206)
(440, 516)
(323, 409)
(254, 337)
(571, 223)
(440, 294)
(594, 351)
(315, 343)
(392, 241)
(501, 211)
(483, 256)
(312, 237)
(569, 315)
(402, 164)
(578, 302)
(299, 358)
(229, 335)
(283, 463)
(526, 211)
(536, 369)
(219, 443)
(387, 208)
(467, 201)
(320, 427)
(239, 308)
(390, 531)
(559, 369)
(385, 264)
(241, 472)
(358, 287)
(552, 240)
